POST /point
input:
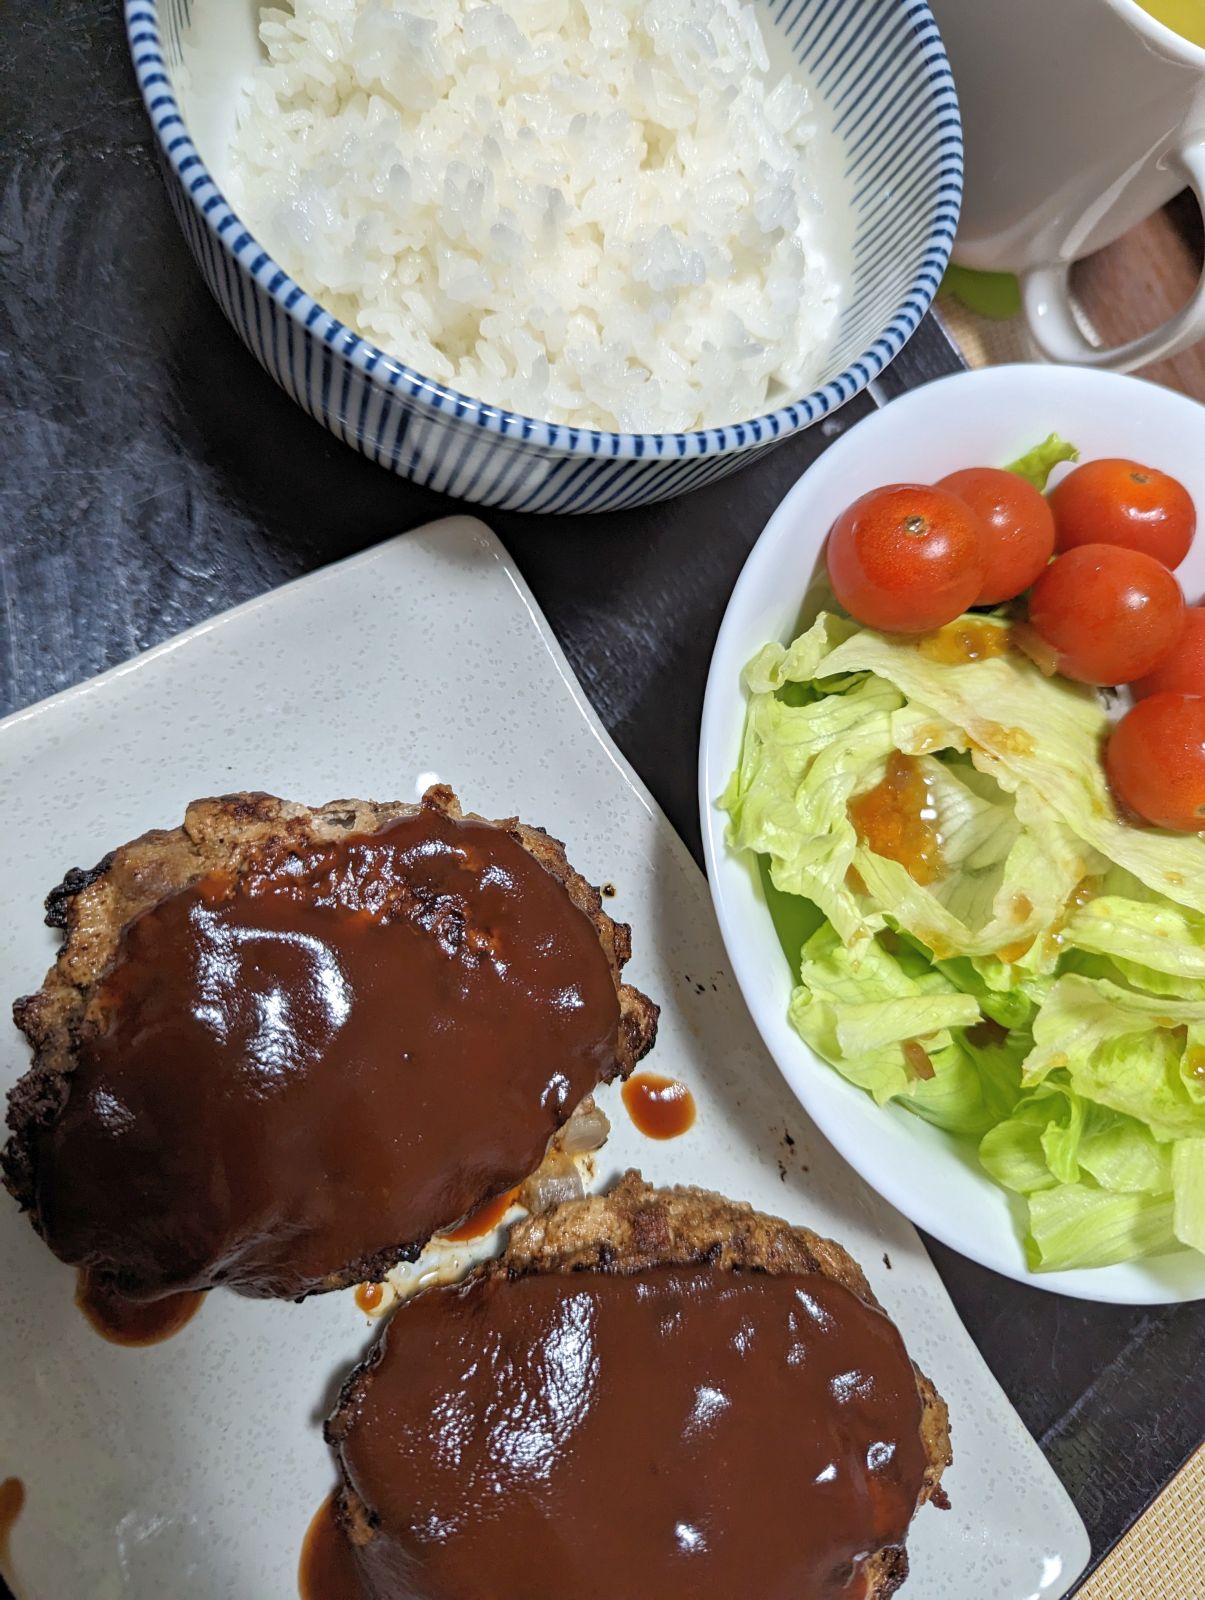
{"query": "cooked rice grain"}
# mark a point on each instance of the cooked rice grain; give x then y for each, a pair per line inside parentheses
(590, 211)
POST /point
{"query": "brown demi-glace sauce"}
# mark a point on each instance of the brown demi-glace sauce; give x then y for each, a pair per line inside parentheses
(327, 1570)
(898, 819)
(135, 1323)
(12, 1503)
(486, 1217)
(679, 1433)
(662, 1108)
(307, 1071)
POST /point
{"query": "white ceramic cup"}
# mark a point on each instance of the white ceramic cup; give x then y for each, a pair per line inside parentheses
(1081, 118)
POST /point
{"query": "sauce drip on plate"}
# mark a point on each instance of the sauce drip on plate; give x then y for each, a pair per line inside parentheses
(898, 819)
(677, 1431)
(369, 1296)
(327, 1570)
(134, 1323)
(12, 1503)
(662, 1108)
(292, 1074)
(486, 1217)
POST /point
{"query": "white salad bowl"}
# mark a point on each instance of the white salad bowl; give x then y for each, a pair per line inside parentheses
(980, 418)
(886, 113)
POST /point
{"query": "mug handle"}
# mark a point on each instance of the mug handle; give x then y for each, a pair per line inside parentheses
(1046, 301)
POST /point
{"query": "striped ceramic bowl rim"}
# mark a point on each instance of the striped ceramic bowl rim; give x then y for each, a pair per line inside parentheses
(836, 36)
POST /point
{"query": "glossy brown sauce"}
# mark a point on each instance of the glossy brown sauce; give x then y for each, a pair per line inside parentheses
(1055, 937)
(1085, 891)
(369, 1296)
(486, 1217)
(920, 1063)
(678, 1432)
(332, 1057)
(327, 1570)
(12, 1503)
(969, 639)
(1013, 741)
(134, 1323)
(1014, 951)
(898, 819)
(1022, 909)
(662, 1108)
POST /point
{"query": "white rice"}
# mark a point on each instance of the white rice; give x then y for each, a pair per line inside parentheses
(591, 211)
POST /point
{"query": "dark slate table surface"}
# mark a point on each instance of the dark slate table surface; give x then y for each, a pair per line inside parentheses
(151, 475)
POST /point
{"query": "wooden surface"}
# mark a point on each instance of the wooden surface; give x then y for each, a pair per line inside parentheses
(1138, 282)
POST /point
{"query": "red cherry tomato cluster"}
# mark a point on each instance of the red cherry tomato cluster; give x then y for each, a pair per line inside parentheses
(1106, 610)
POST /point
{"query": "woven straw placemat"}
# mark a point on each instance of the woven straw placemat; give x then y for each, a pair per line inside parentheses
(1163, 1555)
(988, 342)
(983, 342)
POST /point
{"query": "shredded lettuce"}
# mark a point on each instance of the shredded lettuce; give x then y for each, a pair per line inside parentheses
(1188, 1180)
(1076, 1225)
(861, 1015)
(1044, 993)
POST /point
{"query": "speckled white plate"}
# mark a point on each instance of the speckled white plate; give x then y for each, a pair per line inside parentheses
(192, 1469)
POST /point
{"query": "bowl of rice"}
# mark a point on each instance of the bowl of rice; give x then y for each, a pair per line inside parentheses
(560, 255)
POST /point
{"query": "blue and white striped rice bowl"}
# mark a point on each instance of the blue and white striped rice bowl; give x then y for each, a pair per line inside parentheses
(887, 104)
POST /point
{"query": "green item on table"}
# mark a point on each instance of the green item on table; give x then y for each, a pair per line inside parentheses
(996, 295)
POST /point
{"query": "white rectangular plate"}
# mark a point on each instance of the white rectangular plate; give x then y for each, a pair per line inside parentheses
(192, 1469)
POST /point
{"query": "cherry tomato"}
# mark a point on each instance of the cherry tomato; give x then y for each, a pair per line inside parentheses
(1155, 760)
(1112, 615)
(1121, 502)
(906, 558)
(1183, 671)
(1020, 529)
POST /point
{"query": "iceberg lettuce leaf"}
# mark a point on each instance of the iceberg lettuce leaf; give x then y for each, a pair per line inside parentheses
(1079, 1225)
(1044, 991)
(1188, 1178)
(1045, 733)
(1120, 1049)
(859, 1010)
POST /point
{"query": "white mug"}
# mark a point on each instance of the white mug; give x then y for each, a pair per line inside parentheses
(1081, 117)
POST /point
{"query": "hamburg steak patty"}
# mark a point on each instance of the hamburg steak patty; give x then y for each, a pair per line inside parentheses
(281, 1047)
(653, 1394)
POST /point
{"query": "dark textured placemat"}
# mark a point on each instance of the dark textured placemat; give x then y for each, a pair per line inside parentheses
(151, 475)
